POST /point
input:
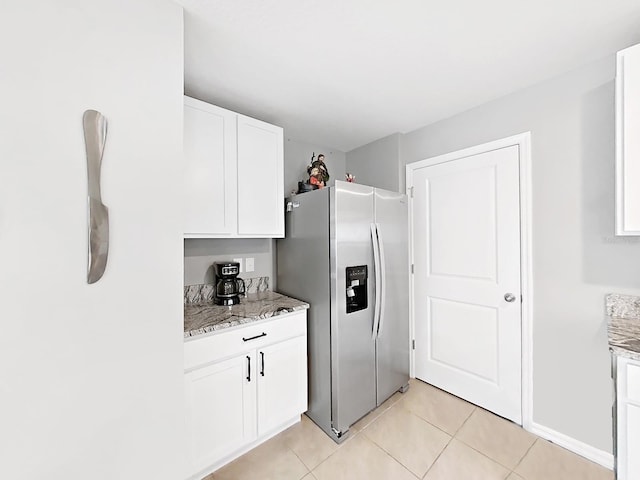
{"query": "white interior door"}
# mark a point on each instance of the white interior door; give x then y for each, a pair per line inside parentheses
(466, 251)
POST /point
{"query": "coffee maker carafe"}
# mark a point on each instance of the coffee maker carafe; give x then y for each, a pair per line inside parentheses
(228, 286)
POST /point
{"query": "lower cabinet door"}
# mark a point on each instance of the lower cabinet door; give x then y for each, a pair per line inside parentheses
(220, 404)
(632, 456)
(282, 382)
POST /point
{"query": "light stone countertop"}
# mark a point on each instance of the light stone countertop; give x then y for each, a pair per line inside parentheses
(624, 325)
(208, 317)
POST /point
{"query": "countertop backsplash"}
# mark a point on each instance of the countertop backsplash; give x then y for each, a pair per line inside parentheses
(203, 293)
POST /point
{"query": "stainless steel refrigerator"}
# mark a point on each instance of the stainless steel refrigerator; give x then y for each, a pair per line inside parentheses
(345, 253)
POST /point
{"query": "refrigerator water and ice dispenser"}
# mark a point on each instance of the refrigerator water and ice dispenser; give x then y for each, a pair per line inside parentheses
(356, 288)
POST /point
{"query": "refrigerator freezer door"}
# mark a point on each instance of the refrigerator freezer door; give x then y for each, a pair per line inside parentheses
(392, 350)
(303, 272)
(352, 346)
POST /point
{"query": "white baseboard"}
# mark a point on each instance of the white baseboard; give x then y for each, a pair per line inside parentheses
(576, 446)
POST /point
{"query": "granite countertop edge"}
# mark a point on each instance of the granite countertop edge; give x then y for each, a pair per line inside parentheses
(624, 336)
(623, 324)
(203, 318)
(624, 352)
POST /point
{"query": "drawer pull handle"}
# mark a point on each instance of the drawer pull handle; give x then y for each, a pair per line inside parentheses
(253, 338)
(248, 368)
(262, 369)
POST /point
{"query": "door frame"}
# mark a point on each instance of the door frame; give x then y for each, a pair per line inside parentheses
(523, 142)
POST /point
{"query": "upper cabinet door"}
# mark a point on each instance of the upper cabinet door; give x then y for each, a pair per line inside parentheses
(260, 179)
(628, 142)
(210, 182)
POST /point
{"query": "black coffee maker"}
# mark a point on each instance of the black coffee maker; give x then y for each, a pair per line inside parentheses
(228, 286)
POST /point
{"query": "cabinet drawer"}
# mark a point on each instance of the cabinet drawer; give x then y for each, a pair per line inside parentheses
(218, 345)
(633, 382)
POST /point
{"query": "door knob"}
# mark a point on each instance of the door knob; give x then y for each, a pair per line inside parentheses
(509, 297)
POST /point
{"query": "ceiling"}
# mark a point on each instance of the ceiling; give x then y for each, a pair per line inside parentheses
(341, 74)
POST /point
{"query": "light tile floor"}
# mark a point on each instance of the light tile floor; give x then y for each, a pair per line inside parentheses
(426, 434)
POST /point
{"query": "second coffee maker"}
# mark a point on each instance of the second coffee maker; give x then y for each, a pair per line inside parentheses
(229, 286)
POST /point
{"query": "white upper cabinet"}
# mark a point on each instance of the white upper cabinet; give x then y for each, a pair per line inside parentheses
(260, 179)
(628, 141)
(234, 174)
(209, 170)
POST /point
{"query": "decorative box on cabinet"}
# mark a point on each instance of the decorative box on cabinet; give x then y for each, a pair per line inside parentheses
(234, 174)
(242, 386)
(627, 418)
(628, 141)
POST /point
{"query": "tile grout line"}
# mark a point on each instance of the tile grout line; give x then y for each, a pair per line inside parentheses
(391, 456)
(361, 431)
(525, 456)
(436, 459)
(449, 442)
(301, 461)
(493, 459)
(509, 469)
(340, 445)
(465, 420)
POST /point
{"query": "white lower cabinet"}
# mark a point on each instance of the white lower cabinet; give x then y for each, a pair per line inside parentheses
(219, 401)
(282, 384)
(242, 387)
(628, 419)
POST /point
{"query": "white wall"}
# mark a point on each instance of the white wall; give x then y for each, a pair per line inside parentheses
(576, 258)
(378, 163)
(91, 381)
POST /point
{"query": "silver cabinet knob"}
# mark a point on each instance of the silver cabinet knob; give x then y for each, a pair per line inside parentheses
(509, 297)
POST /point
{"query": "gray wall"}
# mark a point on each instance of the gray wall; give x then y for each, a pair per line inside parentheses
(199, 254)
(576, 258)
(297, 156)
(378, 163)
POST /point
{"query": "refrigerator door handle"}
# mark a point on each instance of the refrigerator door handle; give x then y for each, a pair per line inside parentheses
(376, 269)
(383, 280)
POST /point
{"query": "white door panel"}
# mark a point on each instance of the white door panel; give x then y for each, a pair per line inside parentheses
(469, 217)
(282, 380)
(260, 178)
(464, 337)
(219, 400)
(209, 169)
(466, 249)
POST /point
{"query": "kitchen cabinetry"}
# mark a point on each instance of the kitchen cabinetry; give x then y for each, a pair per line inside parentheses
(210, 176)
(628, 141)
(260, 179)
(218, 400)
(234, 174)
(242, 386)
(627, 418)
(282, 383)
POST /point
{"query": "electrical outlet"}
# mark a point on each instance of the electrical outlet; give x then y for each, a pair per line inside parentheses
(239, 260)
(249, 264)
